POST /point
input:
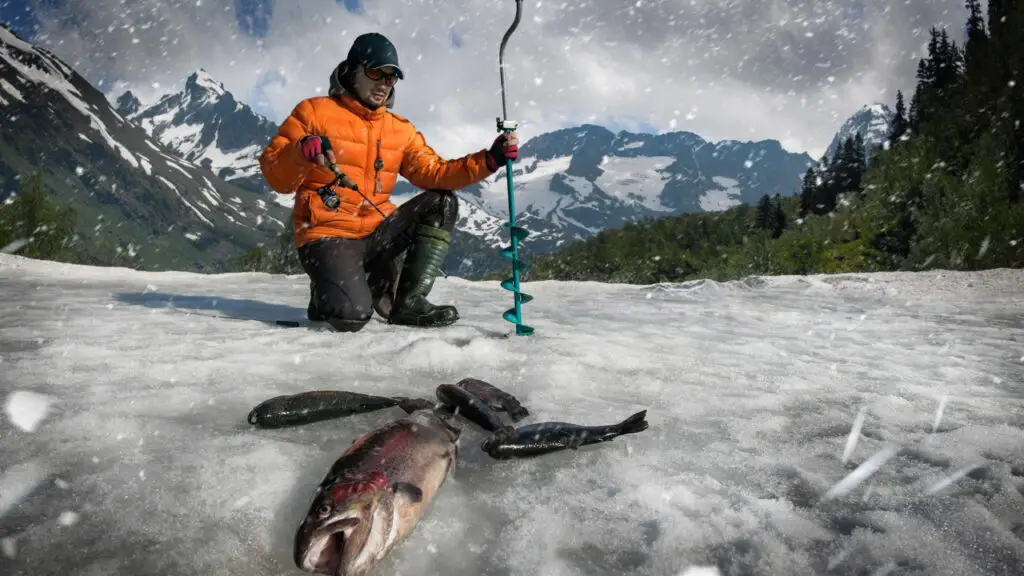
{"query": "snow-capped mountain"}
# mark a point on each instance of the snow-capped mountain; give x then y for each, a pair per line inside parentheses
(128, 189)
(575, 182)
(872, 122)
(205, 125)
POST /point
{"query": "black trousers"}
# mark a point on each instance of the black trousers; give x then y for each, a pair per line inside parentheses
(352, 277)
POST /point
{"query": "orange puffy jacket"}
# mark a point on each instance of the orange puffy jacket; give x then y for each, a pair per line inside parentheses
(358, 137)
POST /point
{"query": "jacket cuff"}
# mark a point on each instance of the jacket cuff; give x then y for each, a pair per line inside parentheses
(492, 165)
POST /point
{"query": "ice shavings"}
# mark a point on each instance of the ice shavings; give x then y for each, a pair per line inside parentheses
(27, 409)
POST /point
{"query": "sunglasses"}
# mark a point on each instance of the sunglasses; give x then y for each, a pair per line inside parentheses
(376, 74)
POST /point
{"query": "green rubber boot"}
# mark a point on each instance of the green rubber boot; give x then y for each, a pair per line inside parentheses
(422, 265)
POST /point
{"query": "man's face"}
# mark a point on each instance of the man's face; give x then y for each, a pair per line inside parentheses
(374, 85)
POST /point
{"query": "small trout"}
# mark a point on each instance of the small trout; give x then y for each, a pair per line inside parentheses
(469, 406)
(545, 437)
(495, 397)
(314, 406)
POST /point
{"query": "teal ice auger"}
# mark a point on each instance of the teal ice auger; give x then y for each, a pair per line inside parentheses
(517, 233)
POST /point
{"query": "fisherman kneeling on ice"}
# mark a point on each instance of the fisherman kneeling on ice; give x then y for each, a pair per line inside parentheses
(349, 235)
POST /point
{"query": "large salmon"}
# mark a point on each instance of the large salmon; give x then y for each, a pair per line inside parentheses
(374, 495)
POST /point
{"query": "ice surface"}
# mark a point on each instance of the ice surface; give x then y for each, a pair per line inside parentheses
(752, 389)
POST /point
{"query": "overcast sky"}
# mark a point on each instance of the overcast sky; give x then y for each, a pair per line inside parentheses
(792, 70)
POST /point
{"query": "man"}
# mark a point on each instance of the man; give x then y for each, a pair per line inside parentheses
(350, 253)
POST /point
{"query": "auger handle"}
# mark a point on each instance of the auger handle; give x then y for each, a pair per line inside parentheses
(501, 60)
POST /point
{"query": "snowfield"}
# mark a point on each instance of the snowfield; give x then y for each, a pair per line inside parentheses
(856, 424)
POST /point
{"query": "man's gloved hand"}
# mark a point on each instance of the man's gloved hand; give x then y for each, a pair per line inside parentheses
(505, 146)
(318, 149)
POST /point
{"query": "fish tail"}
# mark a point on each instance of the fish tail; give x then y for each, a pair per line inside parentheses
(633, 424)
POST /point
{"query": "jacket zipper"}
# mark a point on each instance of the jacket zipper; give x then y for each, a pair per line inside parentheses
(378, 165)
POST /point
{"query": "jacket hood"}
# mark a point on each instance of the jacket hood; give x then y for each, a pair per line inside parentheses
(338, 88)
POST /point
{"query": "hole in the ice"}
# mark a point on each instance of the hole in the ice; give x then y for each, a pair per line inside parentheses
(651, 530)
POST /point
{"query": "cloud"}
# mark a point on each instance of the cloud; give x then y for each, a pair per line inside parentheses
(791, 70)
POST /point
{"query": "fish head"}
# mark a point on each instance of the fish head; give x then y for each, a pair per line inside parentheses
(436, 420)
(493, 444)
(346, 529)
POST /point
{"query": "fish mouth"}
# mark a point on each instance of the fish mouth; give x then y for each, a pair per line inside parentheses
(326, 548)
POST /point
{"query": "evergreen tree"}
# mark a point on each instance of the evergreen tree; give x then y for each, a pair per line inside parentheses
(780, 223)
(974, 49)
(860, 159)
(36, 226)
(764, 213)
(808, 192)
(899, 121)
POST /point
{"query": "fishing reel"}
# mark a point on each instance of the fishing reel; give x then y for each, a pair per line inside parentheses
(329, 198)
(327, 194)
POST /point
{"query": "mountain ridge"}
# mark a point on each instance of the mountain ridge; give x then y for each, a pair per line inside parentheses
(129, 191)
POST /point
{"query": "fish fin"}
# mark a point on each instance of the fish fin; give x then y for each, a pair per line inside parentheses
(578, 439)
(516, 411)
(410, 491)
(454, 456)
(633, 424)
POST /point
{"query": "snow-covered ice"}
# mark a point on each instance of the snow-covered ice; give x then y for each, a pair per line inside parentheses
(145, 463)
